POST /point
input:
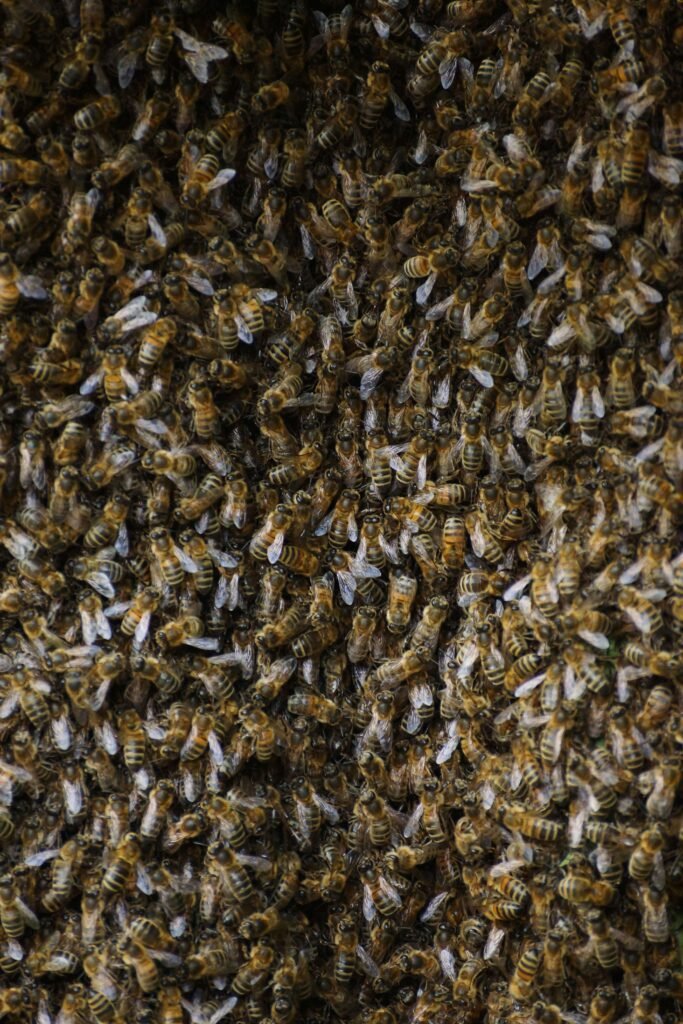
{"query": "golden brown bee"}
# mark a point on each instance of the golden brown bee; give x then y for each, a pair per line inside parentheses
(205, 176)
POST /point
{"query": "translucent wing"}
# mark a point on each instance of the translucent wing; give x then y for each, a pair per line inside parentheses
(447, 71)
(400, 109)
(414, 821)
(275, 549)
(482, 377)
(32, 287)
(369, 912)
(369, 382)
(203, 643)
(440, 309)
(91, 383)
(425, 289)
(493, 942)
(434, 906)
(222, 178)
(142, 628)
(347, 586)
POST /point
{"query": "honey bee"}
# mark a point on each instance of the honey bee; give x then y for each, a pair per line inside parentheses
(204, 177)
(118, 873)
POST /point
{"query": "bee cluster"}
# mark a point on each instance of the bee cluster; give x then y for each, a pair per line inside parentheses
(341, 453)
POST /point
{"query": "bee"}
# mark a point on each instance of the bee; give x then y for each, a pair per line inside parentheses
(523, 978)
(514, 816)
(119, 871)
(110, 527)
(14, 913)
(30, 172)
(94, 115)
(379, 895)
(64, 870)
(204, 177)
(14, 285)
(29, 217)
(133, 740)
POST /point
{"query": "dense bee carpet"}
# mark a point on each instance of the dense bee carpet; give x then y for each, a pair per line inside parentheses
(341, 452)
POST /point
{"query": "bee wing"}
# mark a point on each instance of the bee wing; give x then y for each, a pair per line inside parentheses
(590, 29)
(73, 796)
(369, 382)
(222, 178)
(31, 287)
(121, 545)
(381, 28)
(216, 749)
(36, 860)
(482, 377)
(529, 685)
(158, 233)
(369, 912)
(599, 241)
(560, 334)
(222, 558)
(649, 451)
(421, 475)
(493, 942)
(538, 261)
(413, 821)
(188, 564)
(307, 243)
(198, 65)
(165, 958)
(390, 549)
(474, 185)
(389, 890)
(516, 589)
(88, 627)
(400, 109)
(441, 395)
(666, 169)
(447, 71)
(222, 1011)
(367, 963)
(275, 549)
(43, 1015)
(189, 42)
(328, 809)
(91, 383)
(118, 610)
(324, 525)
(425, 289)
(9, 705)
(142, 628)
(519, 364)
(125, 68)
(200, 283)
(347, 586)
(130, 381)
(202, 643)
(439, 309)
(243, 332)
(27, 913)
(131, 309)
(220, 597)
(423, 32)
(142, 320)
(61, 732)
(363, 570)
(549, 282)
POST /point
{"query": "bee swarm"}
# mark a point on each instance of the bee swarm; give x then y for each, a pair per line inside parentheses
(341, 453)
